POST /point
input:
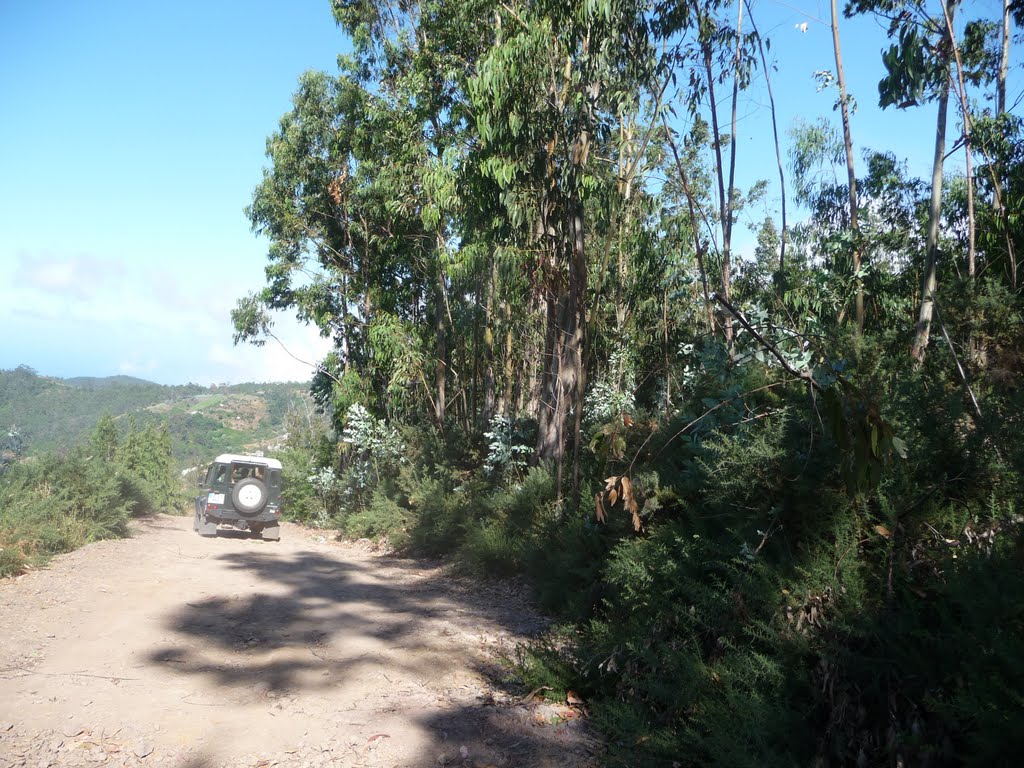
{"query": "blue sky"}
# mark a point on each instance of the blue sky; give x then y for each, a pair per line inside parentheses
(134, 133)
(133, 136)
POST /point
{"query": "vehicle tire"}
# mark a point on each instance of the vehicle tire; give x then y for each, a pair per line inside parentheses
(249, 495)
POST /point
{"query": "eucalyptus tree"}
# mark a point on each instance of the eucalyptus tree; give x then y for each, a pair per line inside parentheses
(918, 69)
(358, 202)
(546, 97)
(927, 59)
(484, 166)
(889, 234)
(714, 50)
(844, 110)
(341, 256)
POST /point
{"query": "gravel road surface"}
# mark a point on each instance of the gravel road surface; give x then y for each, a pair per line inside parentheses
(172, 650)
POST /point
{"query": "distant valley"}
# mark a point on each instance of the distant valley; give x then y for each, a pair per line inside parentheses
(50, 414)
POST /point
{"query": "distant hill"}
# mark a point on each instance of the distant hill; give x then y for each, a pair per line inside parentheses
(51, 413)
(93, 382)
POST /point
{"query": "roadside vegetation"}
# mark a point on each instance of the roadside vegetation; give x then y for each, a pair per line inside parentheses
(56, 502)
(79, 457)
(775, 500)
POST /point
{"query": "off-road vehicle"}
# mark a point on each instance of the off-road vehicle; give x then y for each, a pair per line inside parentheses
(241, 491)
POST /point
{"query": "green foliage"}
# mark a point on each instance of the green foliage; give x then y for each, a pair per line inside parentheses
(498, 542)
(145, 457)
(381, 518)
(507, 449)
(775, 547)
(548, 663)
(371, 451)
(612, 395)
(54, 413)
(12, 447)
(55, 503)
(50, 414)
(440, 514)
(53, 506)
(308, 451)
(106, 438)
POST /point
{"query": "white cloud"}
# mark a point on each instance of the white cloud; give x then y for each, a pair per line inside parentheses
(290, 358)
(78, 277)
(84, 315)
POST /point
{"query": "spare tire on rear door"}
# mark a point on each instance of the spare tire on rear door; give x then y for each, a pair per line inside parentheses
(249, 495)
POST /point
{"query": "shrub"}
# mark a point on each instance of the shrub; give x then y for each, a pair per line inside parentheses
(442, 507)
(499, 537)
(56, 503)
(381, 518)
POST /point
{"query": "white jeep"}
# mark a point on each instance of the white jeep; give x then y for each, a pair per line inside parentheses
(241, 491)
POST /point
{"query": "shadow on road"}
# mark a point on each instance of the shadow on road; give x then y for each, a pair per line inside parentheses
(334, 628)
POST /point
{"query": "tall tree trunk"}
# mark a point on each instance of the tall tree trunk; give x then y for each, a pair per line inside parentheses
(699, 247)
(440, 369)
(780, 280)
(924, 320)
(1004, 66)
(580, 340)
(563, 377)
(971, 227)
(965, 110)
(1004, 61)
(563, 370)
(473, 417)
(507, 405)
(547, 417)
(489, 398)
(525, 391)
(665, 352)
(727, 215)
(724, 319)
(346, 326)
(851, 176)
(566, 388)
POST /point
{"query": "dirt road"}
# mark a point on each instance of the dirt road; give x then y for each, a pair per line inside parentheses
(172, 650)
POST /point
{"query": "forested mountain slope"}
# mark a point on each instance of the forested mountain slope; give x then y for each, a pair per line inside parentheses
(50, 413)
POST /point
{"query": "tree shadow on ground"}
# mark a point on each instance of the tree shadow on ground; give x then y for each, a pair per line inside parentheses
(398, 635)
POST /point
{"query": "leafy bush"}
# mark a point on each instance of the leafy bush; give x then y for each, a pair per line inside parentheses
(442, 508)
(507, 450)
(381, 518)
(56, 503)
(371, 452)
(825, 577)
(310, 448)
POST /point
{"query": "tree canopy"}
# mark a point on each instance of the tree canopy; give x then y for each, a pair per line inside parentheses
(765, 484)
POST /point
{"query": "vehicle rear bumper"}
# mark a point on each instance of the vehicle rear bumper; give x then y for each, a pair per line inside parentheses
(220, 514)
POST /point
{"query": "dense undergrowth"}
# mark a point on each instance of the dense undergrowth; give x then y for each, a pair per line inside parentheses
(831, 578)
(58, 502)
